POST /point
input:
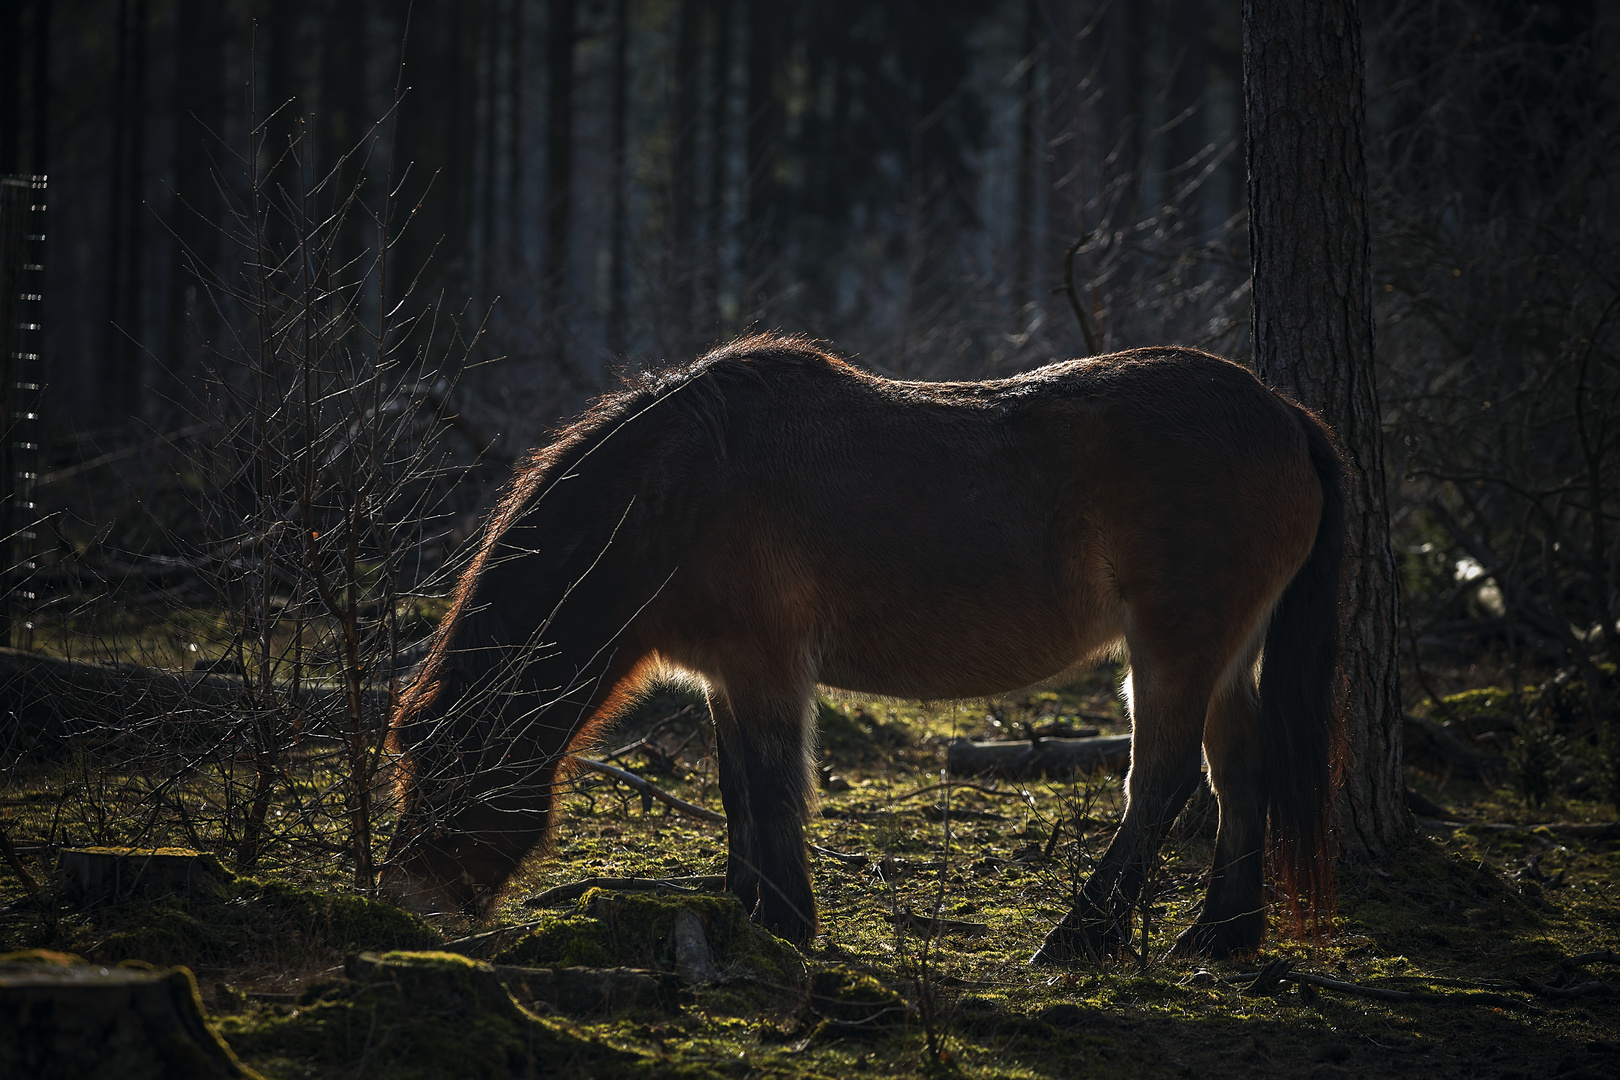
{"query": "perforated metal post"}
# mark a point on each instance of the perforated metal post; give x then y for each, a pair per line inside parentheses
(22, 332)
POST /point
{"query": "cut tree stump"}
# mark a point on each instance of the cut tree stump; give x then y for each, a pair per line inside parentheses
(119, 873)
(61, 1020)
(445, 984)
(1042, 757)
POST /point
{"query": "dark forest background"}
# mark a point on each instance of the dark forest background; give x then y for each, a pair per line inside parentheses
(624, 182)
(637, 180)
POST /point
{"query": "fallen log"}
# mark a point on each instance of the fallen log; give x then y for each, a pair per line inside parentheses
(57, 704)
(1581, 830)
(566, 989)
(1434, 749)
(649, 791)
(61, 1020)
(1043, 757)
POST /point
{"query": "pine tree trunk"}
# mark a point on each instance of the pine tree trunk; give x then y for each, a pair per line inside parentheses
(1313, 340)
(618, 227)
(679, 264)
(1121, 106)
(1023, 232)
(199, 94)
(559, 167)
(764, 139)
(345, 110)
(1189, 104)
(719, 149)
(1067, 137)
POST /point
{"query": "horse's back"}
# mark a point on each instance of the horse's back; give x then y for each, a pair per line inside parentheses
(945, 540)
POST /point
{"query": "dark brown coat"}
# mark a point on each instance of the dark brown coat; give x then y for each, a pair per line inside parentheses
(771, 518)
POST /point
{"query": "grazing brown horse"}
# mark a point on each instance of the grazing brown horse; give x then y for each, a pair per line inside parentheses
(771, 518)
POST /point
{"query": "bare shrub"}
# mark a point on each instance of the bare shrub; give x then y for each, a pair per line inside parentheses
(1499, 287)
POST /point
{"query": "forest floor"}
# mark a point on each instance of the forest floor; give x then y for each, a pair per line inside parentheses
(1475, 921)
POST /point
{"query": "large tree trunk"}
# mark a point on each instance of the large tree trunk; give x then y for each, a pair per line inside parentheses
(1313, 340)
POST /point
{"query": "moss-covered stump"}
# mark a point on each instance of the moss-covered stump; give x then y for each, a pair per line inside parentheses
(582, 990)
(844, 1003)
(255, 921)
(609, 929)
(62, 1018)
(119, 873)
(426, 1015)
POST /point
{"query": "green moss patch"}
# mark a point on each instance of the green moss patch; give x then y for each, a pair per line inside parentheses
(338, 920)
(610, 929)
(430, 1015)
(844, 1002)
(255, 920)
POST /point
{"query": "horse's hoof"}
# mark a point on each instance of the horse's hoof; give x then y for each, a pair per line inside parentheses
(1058, 948)
(1218, 941)
(1043, 958)
(788, 925)
(1190, 943)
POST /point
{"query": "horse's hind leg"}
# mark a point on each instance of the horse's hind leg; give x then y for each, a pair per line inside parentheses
(1167, 717)
(1233, 917)
(765, 786)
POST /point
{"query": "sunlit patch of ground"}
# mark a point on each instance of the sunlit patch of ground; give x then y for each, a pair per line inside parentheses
(1463, 919)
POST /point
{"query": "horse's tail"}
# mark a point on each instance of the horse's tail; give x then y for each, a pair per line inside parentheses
(1300, 721)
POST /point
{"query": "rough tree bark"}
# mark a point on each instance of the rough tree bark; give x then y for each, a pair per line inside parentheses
(1304, 103)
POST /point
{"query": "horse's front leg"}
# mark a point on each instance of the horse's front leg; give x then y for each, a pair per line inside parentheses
(765, 786)
(1164, 773)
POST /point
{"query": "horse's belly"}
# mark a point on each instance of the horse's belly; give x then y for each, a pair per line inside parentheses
(942, 659)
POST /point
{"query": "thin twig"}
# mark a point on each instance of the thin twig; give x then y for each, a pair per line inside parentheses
(575, 889)
(650, 790)
(1602, 956)
(1074, 298)
(848, 861)
(1017, 793)
(1596, 986)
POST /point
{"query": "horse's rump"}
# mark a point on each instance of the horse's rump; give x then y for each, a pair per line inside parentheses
(953, 540)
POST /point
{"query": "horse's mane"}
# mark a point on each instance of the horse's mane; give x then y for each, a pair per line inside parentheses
(691, 395)
(694, 391)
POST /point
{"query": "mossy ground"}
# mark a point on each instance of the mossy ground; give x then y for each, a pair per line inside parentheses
(1461, 905)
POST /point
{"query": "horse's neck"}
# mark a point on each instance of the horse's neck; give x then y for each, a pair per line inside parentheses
(538, 623)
